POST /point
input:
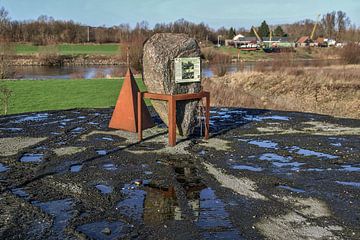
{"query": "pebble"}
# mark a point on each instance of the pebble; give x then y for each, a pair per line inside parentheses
(106, 231)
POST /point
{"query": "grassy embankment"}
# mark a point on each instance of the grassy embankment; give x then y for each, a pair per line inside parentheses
(69, 49)
(42, 95)
(330, 90)
(299, 54)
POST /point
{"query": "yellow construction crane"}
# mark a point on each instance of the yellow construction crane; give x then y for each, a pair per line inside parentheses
(256, 34)
(314, 29)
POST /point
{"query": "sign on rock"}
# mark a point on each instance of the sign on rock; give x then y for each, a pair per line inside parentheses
(171, 65)
(187, 70)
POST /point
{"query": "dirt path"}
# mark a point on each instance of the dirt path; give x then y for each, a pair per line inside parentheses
(262, 175)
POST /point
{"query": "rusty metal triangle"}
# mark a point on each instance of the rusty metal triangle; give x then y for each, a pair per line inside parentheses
(125, 116)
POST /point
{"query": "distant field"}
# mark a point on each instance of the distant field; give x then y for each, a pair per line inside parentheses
(69, 49)
(41, 95)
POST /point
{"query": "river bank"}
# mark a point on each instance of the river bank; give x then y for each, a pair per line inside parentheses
(332, 90)
(64, 60)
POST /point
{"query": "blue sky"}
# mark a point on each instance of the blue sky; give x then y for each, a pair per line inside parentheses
(216, 13)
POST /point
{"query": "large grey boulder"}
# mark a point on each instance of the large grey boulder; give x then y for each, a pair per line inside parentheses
(159, 76)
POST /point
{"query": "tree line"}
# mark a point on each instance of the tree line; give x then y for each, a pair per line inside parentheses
(46, 30)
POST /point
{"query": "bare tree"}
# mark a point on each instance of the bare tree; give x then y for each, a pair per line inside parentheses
(328, 23)
(342, 22)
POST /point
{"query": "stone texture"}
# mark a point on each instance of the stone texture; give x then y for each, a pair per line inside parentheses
(159, 76)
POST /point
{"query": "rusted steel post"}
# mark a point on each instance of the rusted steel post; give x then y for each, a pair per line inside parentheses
(172, 120)
(139, 120)
(207, 115)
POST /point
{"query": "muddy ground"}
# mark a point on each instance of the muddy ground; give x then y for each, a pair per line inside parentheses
(262, 175)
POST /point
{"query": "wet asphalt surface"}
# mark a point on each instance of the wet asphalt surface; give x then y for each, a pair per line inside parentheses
(262, 175)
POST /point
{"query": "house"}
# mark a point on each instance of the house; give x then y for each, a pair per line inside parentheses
(304, 41)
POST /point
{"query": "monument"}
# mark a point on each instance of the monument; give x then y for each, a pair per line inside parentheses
(171, 65)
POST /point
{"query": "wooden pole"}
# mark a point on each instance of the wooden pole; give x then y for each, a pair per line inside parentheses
(172, 121)
(139, 109)
(207, 115)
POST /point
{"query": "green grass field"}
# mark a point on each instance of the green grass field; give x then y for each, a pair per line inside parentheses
(42, 95)
(69, 49)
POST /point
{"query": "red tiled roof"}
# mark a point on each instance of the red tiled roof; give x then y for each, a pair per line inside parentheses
(303, 39)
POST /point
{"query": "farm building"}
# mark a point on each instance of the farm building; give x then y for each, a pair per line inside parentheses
(304, 41)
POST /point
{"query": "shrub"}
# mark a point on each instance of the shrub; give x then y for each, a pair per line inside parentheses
(351, 53)
(5, 98)
(134, 51)
(7, 50)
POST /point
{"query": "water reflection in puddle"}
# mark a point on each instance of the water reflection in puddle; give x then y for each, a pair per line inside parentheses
(247, 167)
(77, 130)
(101, 152)
(110, 167)
(352, 184)
(309, 153)
(295, 165)
(349, 168)
(104, 189)
(76, 168)
(105, 230)
(257, 118)
(34, 117)
(212, 215)
(107, 139)
(32, 158)
(297, 190)
(20, 192)
(11, 129)
(275, 157)
(3, 168)
(264, 143)
(133, 205)
(61, 211)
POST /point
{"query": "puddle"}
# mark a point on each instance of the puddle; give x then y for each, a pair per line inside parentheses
(352, 184)
(247, 167)
(264, 143)
(297, 190)
(3, 168)
(105, 230)
(55, 133)
(309, 153)
(336, 144)
(77, 130)
(349, 168)
(11, 129)
(81, 117)
(32, 158)
(76, 168)
(104, 189)
(102, 152)
(107, 139)
(61, 211)
(275, 157)
(213, 216)
(34, 117)
(110, 167)
(294, 165)
(133, 205)
(148, 172)
(314, 170)
(261, 118)
(20, 192)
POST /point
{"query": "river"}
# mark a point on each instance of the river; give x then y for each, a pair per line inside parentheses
(111, 71)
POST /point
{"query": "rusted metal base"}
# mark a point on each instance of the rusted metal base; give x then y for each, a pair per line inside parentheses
(172, 99)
